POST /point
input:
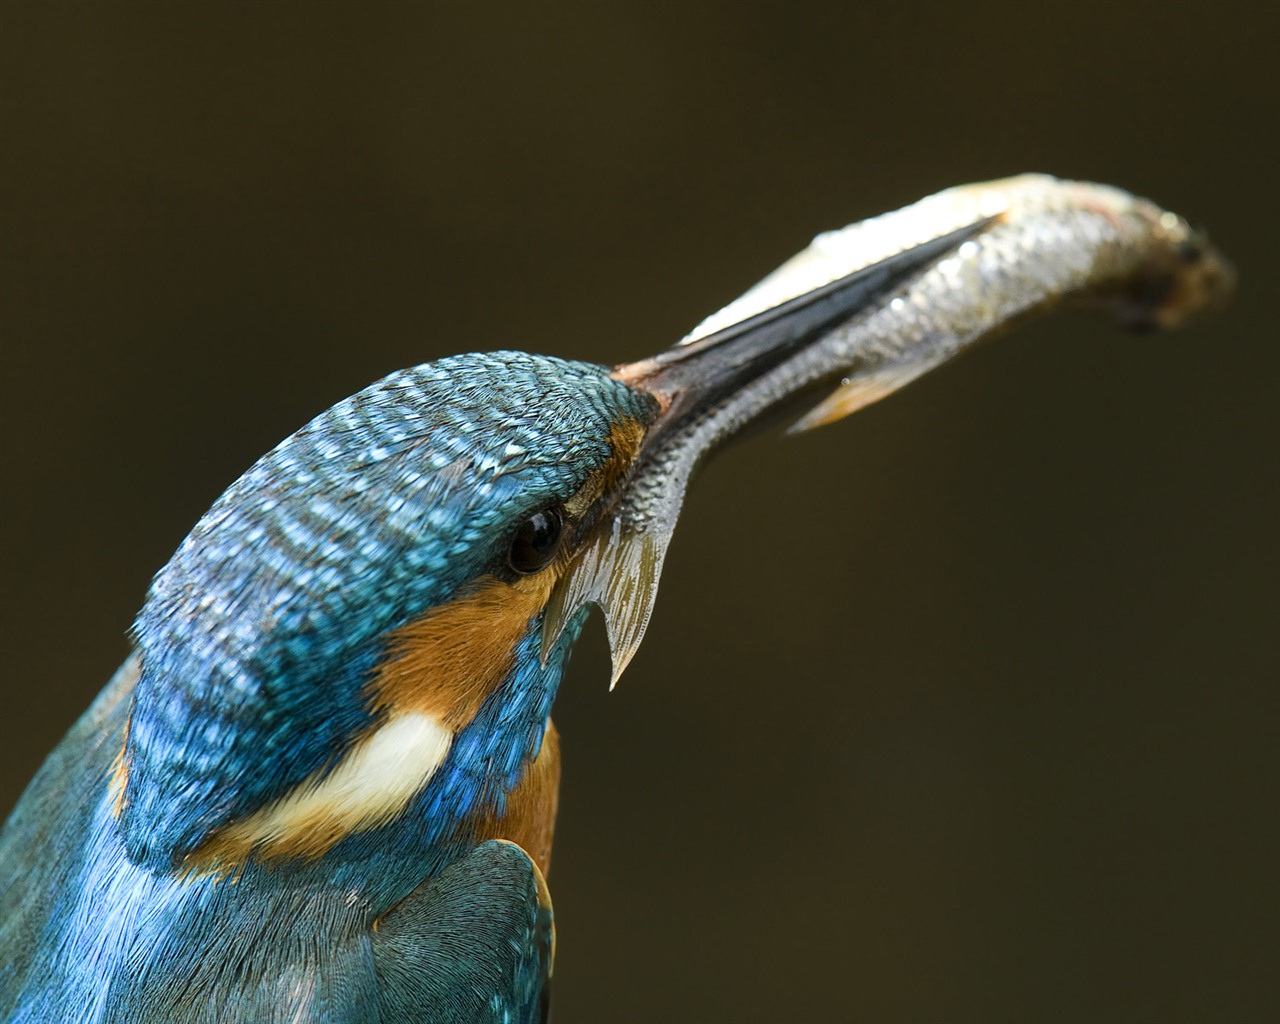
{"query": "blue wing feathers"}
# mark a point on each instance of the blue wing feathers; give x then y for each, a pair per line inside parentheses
(42, 845)
(87, 936)
(471, 946)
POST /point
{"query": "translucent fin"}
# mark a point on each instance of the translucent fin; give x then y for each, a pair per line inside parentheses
(618, 572)
(859, 392)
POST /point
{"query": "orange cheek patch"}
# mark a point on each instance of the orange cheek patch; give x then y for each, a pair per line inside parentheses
(625, 438)
(530, 819)
(445, 663)
(624, 443)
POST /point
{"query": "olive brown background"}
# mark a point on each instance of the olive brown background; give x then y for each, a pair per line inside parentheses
(964, 709)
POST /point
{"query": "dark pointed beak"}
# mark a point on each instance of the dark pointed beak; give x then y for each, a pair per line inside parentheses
(710, 387)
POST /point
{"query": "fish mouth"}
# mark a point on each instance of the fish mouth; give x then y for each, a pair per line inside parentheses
(709, 389)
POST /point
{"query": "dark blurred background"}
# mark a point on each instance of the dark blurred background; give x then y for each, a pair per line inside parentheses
(964, 709)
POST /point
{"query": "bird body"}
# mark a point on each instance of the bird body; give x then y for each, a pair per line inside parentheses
(284, 777)
(323, 785)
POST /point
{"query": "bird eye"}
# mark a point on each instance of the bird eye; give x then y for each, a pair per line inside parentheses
(536, 541)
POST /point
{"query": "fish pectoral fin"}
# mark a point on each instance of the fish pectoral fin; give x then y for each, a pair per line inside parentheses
(859, 390)
(473, 943)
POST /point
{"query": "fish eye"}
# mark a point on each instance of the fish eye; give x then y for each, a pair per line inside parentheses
(536, 541)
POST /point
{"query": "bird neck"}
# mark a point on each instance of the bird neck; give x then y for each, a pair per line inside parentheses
(498, 780)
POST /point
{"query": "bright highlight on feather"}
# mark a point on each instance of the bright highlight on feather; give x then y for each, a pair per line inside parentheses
(372, 784)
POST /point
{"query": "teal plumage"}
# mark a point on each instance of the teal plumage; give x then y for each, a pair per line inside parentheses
(263, 624)
(253, 652)
(322, 787)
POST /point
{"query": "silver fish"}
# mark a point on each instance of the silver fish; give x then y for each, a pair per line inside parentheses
(863, 311)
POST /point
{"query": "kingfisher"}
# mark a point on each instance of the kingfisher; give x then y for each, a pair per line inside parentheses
(322, 786)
